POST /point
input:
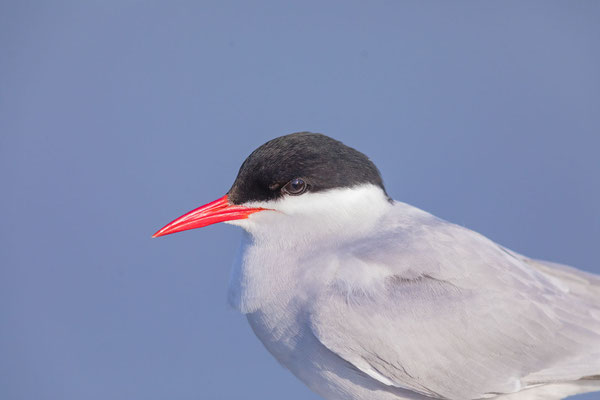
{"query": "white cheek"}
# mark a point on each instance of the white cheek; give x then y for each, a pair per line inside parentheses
(330, 202)
(331, 215)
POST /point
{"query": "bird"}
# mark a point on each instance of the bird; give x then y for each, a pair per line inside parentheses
(363, 297)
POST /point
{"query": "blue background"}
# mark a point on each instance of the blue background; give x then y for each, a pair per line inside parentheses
(118, 116)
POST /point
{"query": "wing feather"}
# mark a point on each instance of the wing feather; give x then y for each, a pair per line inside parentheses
(455, 315)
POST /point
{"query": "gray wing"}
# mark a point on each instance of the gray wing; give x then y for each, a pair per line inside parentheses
(458, 316)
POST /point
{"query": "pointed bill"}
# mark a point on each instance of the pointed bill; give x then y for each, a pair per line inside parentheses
(217, 211)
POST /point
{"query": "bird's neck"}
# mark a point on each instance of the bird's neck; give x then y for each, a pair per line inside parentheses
(285, 260)
(267, 276)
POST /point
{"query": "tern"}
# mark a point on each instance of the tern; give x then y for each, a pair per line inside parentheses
(366, 298)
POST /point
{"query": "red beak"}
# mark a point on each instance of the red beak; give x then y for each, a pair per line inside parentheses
(217, 211)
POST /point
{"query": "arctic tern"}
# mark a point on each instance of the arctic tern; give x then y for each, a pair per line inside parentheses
(366, 298)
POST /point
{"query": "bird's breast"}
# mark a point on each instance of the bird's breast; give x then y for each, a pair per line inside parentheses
(277, 280)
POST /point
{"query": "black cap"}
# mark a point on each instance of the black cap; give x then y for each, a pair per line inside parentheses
(321, 162)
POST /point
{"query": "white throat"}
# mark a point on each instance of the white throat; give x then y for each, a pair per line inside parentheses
(291, 245)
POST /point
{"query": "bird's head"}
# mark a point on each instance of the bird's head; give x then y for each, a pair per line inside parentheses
(305, 183)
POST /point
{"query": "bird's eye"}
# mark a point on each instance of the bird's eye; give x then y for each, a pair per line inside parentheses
(295, 187)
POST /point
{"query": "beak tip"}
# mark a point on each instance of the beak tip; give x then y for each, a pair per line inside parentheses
(157, 234)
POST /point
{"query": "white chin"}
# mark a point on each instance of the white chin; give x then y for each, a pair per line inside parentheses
(238, 222)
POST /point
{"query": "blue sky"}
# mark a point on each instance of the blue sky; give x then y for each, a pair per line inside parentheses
(118, 116)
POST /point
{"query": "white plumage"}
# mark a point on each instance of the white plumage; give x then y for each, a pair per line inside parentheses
(367, 299)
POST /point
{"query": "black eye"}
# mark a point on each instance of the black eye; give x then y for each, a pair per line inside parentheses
(295, 187)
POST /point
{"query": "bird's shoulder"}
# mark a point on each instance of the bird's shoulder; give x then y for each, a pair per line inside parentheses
(409, 243)
(436, 308)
